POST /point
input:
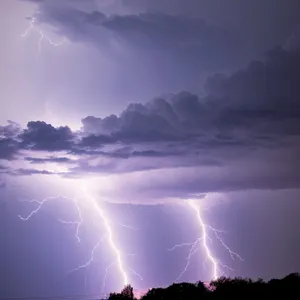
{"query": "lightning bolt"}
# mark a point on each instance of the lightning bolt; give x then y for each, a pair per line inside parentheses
(107, 226)
(89, 262)
(33, 28)
(39, 206)
(76, 223)
(136, 274)
(203, 243)
(93, 203)
(94, 206)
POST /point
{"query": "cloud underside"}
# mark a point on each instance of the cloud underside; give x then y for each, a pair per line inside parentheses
(243, 134)
(185, 48)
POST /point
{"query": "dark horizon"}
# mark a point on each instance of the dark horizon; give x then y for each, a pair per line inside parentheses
(223, 287)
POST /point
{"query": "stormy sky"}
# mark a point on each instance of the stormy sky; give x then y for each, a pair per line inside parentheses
(146, 104)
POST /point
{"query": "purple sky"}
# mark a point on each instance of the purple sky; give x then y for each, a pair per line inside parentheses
(147, 104)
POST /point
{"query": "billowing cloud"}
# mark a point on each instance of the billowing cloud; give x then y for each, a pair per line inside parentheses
(42, 136)
(243, 134)
(8, 145)
(253, 105)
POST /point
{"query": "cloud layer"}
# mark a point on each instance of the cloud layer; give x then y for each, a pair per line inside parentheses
(183, 48)
(241, 132)
(244, 134)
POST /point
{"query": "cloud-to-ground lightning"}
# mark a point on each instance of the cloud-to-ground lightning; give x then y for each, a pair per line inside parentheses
(90, 201)
(112, 243)
(203, 243)
(94, 207)
(33, 28)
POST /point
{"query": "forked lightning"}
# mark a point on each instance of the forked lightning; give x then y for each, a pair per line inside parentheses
(203, 243)
(94, 206)
(33, 28)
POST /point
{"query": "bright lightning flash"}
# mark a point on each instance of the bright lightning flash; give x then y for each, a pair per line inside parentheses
(33, 28)
(91, 202)
(112, 243)
(203, 242)
(94, 206)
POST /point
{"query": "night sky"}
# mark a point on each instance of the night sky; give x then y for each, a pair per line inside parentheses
(117, 115)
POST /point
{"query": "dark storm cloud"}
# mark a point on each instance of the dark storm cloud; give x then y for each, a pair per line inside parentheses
(26, 172)
(8, 148)
(37, 136)
(136, 123)
(252, 105)
(95, 141)
(4, 170)
(243, 132)
(79, 4)
(185, 38)
(179, 35)
(50, 159)
(8, 145)
(263, 98)
(262, 24)
(42, 136)
(183, 48)
(10, 130)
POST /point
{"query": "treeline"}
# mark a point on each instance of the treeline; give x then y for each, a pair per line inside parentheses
(223, 288)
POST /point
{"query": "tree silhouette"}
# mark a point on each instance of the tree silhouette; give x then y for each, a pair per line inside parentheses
(128, 291)
(222, 288)
(126, 294)
(156, 293)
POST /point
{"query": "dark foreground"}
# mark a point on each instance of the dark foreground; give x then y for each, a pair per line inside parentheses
(223, 288)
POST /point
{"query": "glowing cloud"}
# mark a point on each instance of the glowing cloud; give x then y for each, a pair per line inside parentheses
(112, 243)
